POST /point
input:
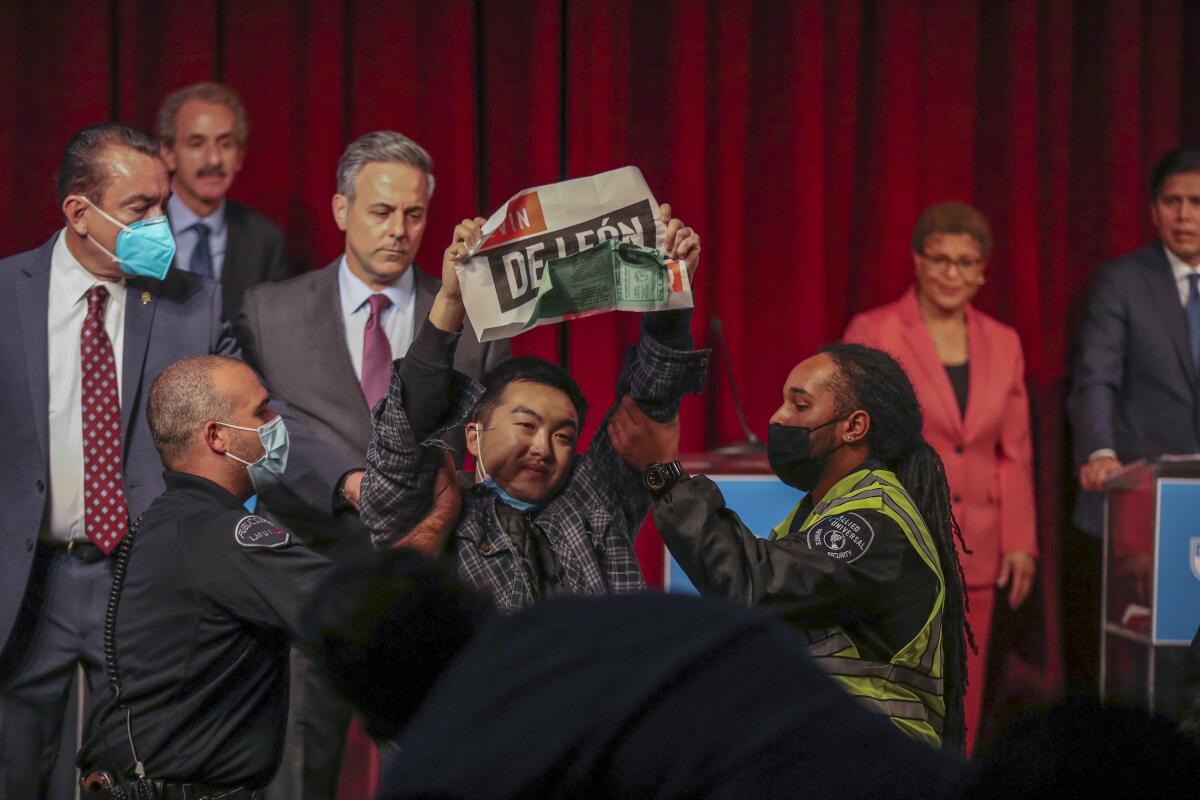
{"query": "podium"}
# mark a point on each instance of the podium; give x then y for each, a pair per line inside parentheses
(1150, 595)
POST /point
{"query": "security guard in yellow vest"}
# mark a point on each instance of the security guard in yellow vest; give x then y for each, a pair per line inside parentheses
(870, 530)
(864, 566)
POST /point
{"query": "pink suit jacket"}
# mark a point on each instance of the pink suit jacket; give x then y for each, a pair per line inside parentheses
(988, 454)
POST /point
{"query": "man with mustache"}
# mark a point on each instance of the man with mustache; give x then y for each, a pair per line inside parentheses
(202, 131)
(324, 342)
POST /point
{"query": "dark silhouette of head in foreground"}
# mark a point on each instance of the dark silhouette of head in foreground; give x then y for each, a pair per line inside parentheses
(663, 696)
(386, 627)
(1081, 748)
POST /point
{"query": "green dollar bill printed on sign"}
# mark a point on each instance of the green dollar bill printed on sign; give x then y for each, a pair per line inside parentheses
(577, 283)
(641, 277)
(610, 275)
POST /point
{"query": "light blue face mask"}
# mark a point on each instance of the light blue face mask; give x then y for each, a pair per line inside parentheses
(266, 472)
(523, 506)
(144, 249)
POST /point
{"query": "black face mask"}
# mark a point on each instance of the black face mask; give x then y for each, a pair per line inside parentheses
(789, 449)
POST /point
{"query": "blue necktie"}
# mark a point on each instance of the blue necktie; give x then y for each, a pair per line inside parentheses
(202, 255)
(1193, 315)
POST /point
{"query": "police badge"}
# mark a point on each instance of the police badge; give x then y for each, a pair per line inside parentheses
(256, 531)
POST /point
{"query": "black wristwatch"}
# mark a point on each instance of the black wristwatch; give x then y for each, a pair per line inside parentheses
(659, 478)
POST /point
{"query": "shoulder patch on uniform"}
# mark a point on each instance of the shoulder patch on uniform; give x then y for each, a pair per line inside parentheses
(255, 531)
(843, 538)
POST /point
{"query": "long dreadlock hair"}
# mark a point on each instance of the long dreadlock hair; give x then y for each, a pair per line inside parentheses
(871, 380)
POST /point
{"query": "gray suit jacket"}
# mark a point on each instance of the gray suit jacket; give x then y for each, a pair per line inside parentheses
(292, 332)
(254, 252)
(1133, 383)
(166, 320)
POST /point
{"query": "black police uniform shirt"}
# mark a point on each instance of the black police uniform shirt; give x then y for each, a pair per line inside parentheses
(212, 597)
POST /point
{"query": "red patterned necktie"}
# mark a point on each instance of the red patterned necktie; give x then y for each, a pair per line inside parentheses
(105, 513)
(377, 353)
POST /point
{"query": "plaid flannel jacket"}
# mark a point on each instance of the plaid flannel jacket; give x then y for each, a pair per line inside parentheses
(590, 524)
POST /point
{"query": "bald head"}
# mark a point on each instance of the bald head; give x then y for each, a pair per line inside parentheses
(184, 397)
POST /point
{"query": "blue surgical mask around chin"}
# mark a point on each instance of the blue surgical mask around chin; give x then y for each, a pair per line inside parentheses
(488, 482)
(145, 248)
(267, 471)
(504, 497)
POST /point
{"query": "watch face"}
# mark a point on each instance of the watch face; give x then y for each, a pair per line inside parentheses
(654, 477)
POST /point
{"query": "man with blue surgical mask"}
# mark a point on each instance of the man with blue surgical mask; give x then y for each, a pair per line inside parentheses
(206, 597)
(267, 469)
(144, 248)
(87, 321)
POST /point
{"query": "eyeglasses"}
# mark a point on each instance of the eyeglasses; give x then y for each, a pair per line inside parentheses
(966, 264)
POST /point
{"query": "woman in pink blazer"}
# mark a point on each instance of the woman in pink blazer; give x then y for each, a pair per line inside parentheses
(969, 373)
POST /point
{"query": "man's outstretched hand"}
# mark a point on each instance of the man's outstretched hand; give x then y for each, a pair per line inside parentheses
(448, 310)
(680, 241)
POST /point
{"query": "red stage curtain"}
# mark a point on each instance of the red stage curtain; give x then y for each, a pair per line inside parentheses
(800, 138)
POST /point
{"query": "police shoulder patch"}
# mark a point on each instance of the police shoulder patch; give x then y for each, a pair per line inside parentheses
(843, 538)
(255, 531)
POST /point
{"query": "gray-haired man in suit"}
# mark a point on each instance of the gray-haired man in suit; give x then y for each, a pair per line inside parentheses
(324, 342)
(1134, 391)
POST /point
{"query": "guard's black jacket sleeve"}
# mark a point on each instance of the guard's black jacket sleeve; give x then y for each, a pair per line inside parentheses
(264, 585)
(800, 575)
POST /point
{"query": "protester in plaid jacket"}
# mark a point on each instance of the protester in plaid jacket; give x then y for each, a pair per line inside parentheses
(537, 518)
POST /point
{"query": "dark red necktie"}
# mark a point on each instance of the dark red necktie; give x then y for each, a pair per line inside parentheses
(105, 513)
(377, 353)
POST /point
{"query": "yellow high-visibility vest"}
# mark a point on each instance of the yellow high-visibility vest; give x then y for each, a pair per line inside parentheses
(908, 689)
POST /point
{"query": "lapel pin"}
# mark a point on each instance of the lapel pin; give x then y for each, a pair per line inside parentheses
(145, 298)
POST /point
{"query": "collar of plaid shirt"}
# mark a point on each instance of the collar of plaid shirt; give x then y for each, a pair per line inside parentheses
(593, 548)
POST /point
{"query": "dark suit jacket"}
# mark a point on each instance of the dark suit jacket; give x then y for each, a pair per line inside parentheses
(292, 332)
(254, 252)
(1133, 384)
(166, 320)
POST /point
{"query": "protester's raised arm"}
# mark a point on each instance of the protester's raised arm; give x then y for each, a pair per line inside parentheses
(448, 310)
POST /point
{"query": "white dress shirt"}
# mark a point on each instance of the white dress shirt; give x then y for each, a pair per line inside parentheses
(1181, 271)
(182, 219)
(66, 310)
(397, 319)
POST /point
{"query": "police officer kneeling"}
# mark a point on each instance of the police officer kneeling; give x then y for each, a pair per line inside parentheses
(206, 597)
